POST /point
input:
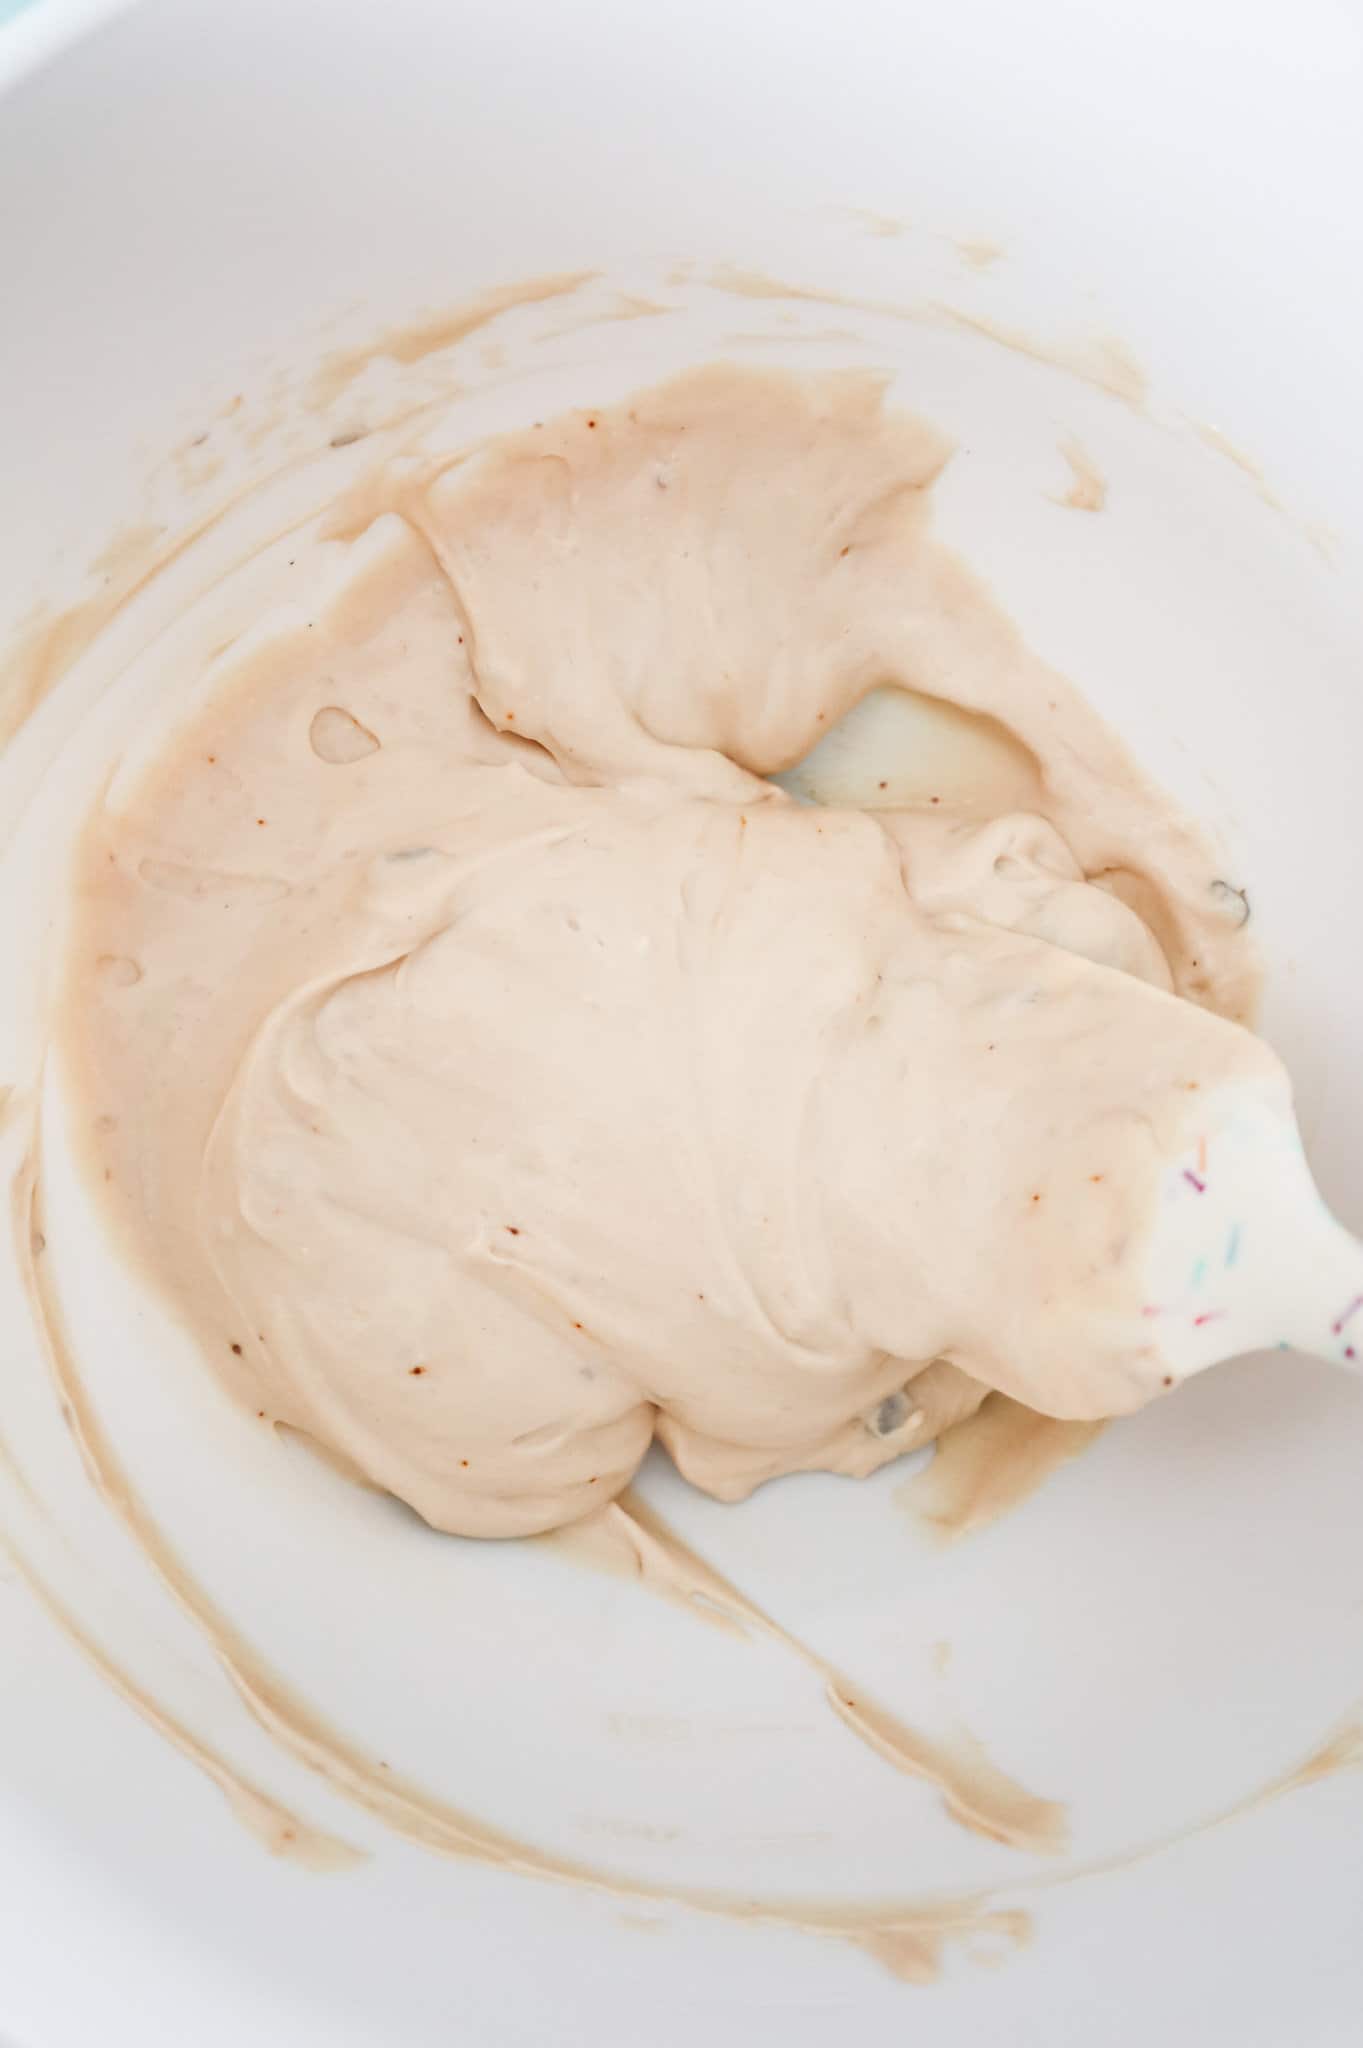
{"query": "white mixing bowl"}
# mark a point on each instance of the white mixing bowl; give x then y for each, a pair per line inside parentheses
(200, 201)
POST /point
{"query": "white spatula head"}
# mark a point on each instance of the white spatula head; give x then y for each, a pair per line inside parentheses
(1244, 1255)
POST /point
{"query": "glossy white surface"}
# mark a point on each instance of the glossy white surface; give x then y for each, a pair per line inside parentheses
(1180, 1617)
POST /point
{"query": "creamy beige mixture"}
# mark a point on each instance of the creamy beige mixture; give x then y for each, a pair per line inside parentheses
(498, 1070)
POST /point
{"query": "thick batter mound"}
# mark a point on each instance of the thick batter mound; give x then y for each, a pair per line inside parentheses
(498, 1070)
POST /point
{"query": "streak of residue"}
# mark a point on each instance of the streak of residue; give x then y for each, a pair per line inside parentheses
(195, 460)
(630, 1538)
(908, 1937)
(810, 338)
(753, 284)
(51, 640)
(623, 1830)
(283, 1832)
(414, 342)
(1340, 1751)
(1221, 444)
(1100, 360)
(626, 307)
(977, 252)
(1325, 541)
(1088, 485)
(989, 1464)
(883, 226)
(127, 552)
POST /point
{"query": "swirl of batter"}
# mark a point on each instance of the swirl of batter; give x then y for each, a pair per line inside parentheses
(499, 1070)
